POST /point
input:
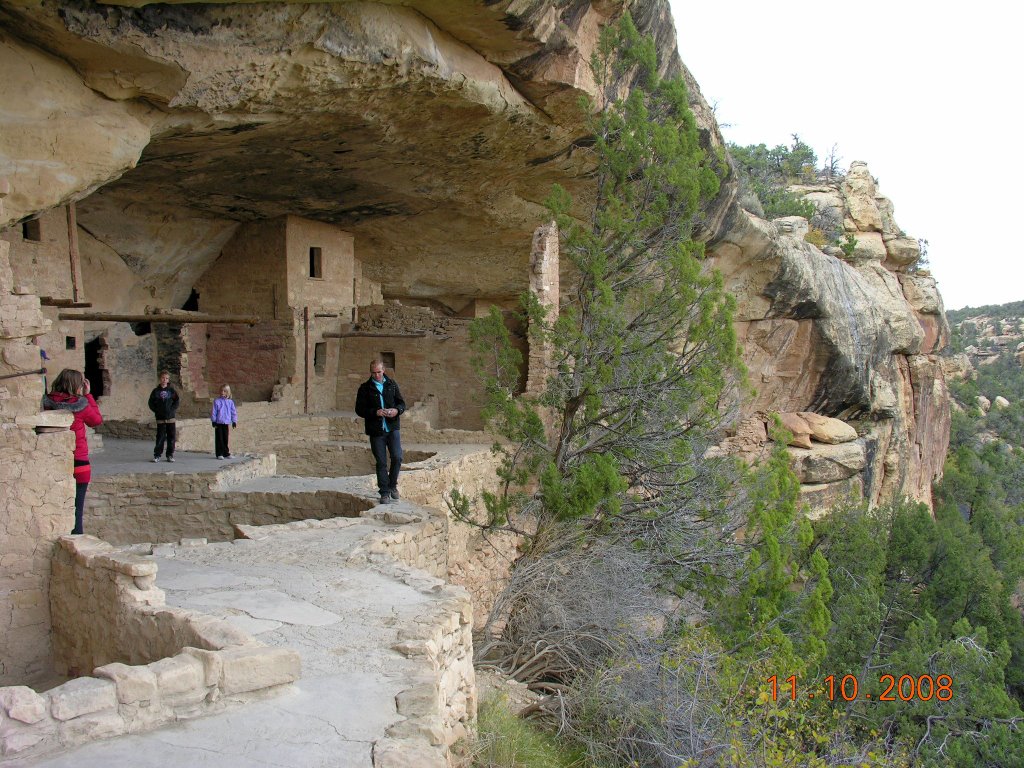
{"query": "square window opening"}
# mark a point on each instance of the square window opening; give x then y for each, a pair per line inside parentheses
(389, 360)
(70, 342)
(32, 230)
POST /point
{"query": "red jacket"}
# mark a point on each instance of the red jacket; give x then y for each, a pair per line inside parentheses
(86, 412)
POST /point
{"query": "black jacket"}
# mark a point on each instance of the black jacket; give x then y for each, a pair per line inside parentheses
(163, 403)
(368, 401)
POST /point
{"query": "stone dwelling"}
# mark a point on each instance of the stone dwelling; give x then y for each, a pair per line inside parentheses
(269, 194)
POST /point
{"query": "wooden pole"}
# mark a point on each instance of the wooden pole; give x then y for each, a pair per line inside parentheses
(76, 289)
(396, 335)
(172, 318)
(305, 377)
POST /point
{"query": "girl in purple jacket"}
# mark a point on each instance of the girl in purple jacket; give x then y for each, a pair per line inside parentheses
(223, 417)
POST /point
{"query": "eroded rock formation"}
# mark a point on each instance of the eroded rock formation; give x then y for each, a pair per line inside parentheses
(431, 130)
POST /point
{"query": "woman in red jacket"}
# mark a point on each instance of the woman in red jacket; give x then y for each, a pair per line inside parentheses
(70, 392)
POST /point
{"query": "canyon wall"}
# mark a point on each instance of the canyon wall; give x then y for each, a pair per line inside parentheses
(431, 132)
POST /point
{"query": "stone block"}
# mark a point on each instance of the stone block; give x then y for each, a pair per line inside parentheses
(178, 674)
(16, 738)
(129, 565)
(215, 634)
(249, 669)
(100, 725)
(133, 683)
(23, 704)
(211, 661)
(422, 699)
(407, 753)
(82, 697)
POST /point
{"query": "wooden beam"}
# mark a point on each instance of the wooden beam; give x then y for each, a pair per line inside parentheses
(168, 318)
(50, 301)
(351, 334)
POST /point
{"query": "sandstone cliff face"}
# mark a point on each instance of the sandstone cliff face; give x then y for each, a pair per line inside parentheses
(432, 130)
(853, 336)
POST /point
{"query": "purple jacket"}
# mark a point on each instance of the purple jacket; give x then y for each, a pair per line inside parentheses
(224, 411)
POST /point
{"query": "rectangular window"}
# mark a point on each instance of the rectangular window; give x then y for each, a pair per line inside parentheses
(70, 342)
(316, 263)
(320, 357)
(389, 360)
(32, 230)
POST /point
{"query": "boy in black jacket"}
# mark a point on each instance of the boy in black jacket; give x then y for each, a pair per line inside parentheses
(163, 402)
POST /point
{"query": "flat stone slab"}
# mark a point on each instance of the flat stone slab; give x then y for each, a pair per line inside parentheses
(270, 604)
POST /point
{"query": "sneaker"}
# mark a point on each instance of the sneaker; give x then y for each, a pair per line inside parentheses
(170, 459)
(156, 459)
(394, 494)
(387, 500)
(228, 456)
(220, 458)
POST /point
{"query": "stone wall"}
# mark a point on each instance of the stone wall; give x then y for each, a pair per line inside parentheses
(126, 509)
(433, 365)
(36, 486)
(335, 459)
(259, 430)
(151, 665)
(36, 507)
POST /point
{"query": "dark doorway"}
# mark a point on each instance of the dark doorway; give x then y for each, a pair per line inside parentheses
(94, 367)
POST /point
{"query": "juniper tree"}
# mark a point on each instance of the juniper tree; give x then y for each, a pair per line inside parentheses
(645, 355)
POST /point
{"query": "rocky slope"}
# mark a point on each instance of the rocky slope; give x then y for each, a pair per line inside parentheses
(432, 130)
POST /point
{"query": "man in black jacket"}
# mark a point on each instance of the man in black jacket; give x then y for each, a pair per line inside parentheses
(380, 403)
(163, 402)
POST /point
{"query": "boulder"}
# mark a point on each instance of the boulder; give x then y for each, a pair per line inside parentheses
(1000, 402)
(859, 190)
(902, 251)
(825, 429)
(798, 427)
(828, 463)
(984, 403)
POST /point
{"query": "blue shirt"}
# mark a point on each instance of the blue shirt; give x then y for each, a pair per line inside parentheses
(380, 393)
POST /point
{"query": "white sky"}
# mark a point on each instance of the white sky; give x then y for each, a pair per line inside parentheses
(927, 94)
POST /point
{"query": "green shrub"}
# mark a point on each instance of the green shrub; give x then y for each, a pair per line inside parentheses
(506, 741)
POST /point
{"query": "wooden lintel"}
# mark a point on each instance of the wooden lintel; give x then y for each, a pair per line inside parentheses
(50, 301)
(350, 334)
(169, 318)
(325, 314)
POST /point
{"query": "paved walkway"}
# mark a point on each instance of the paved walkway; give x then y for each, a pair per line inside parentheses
(301, 590)
(297, 591)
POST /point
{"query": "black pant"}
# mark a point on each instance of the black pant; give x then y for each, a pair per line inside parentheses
(80, 489)
(165, 431)
(381, 445)
(220, 439)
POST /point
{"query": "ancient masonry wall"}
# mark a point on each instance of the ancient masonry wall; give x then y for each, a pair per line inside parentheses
(431, 358)
(544, 283)
(151, 665)
(126, 509)
(37, 502)
(249, 278)
(261, 427)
